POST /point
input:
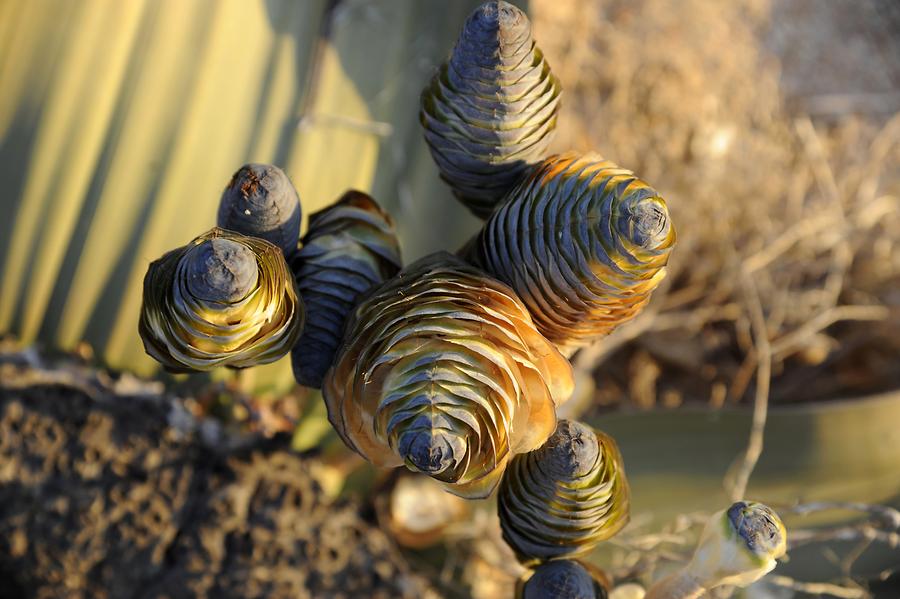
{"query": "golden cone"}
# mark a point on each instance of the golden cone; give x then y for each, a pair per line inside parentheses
(442, 370)
(222, 300)
(582, 241)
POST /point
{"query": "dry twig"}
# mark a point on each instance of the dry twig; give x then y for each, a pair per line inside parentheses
(819, 588)
(886, 514)
(763, 353)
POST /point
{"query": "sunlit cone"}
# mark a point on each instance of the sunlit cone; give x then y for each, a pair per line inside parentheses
(349, 248)
(738, 546)
(261, 201)
(222, 300)
(582, 241)
(490, 110)
(560, 500)
(561, 579)
(441, 369)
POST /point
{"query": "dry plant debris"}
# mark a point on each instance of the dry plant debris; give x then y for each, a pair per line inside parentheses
(104, 493)
(806, 211)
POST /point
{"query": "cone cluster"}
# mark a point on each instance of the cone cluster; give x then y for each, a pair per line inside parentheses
(581, 242)
(453, 366)
(561, 578)
(248, 291)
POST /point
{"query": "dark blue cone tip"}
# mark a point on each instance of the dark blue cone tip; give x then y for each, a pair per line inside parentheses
(259, 180)
(221, 270)
(563, 579)
(757, 525)
(644, 222)
(491, 27)
(261, 201)
(431, 452)
(572, 450)
(491, 17)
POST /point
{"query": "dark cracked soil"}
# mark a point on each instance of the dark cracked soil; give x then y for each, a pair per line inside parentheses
(104, 496)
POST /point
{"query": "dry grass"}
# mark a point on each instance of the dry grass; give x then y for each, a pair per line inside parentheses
(802, 205)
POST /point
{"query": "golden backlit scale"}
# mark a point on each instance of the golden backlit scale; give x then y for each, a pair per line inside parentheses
(224, 299)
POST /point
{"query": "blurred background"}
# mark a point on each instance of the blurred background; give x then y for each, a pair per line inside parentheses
(772, 128)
